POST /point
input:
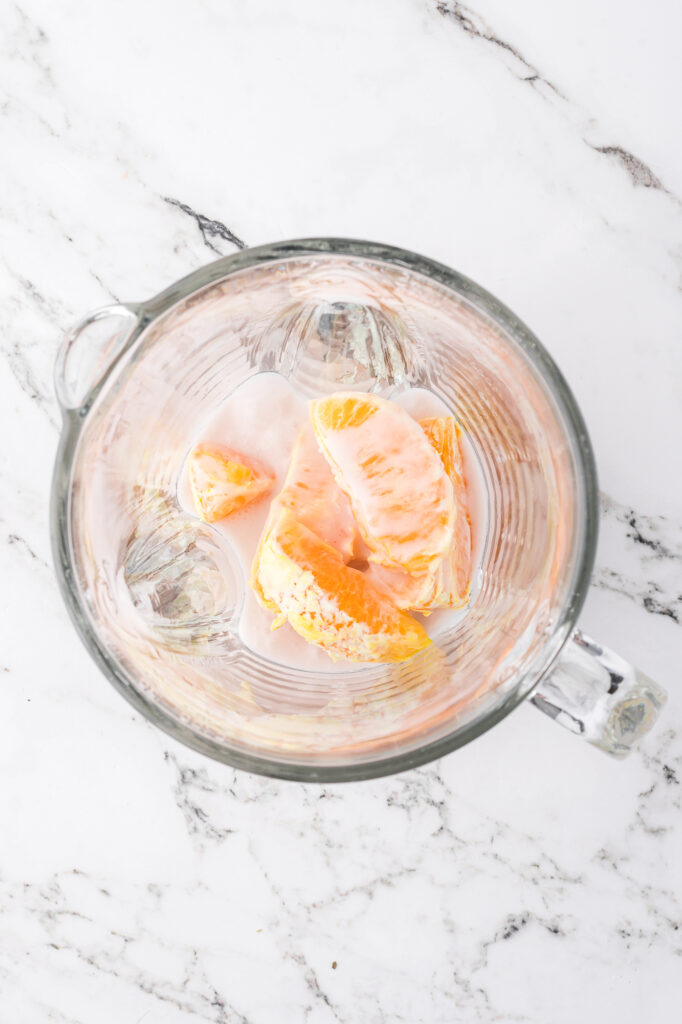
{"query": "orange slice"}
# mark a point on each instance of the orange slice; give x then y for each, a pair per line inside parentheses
(312, 494)
(398, 488)
(448, 585)
(330, 604)
(414, 591)
(223, 481)
(454, 576)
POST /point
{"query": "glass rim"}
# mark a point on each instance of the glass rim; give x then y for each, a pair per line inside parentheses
(587, 519)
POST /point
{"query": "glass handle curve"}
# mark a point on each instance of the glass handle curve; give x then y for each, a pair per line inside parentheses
(598, 695)
(89, 350)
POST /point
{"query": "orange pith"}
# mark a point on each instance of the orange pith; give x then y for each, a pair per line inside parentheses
(399, 491)
(445, 435)
(448, 585)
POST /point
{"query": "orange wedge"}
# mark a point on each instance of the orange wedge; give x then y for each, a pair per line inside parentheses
(223, 481)
(448, 585)
(327, 602)
(312, 494)
(399, 491)
(454, 575)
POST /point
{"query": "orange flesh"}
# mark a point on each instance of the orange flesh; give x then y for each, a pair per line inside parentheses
(445, 435)
(301, 569)
(223, 481)
(330, 604)
(448, 585)
(311, 493)
(399, 491)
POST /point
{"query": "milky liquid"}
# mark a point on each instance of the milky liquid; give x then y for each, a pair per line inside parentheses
(260, 419)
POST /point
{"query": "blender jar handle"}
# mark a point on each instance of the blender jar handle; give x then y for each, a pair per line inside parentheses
(598, 695)
(88, 353)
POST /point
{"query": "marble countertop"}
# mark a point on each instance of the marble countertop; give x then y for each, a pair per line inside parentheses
(531, 146)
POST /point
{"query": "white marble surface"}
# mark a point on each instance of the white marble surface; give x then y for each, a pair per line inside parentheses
(532, 146)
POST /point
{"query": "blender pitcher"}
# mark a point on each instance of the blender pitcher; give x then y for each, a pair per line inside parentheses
(156, 594)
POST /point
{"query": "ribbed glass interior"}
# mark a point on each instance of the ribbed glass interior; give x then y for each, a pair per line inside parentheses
(164, 591)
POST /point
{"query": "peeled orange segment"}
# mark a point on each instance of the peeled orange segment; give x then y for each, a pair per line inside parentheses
(453, 578)
(399, 491)
(223, 481)
(448, 585)
(327, 602)
(408, 590)
(313, 496)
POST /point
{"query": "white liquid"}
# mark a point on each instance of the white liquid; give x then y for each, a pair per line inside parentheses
(261, 419)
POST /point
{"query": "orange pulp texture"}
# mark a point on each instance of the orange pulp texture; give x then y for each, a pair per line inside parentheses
(223, 481)
(301, 568)
(330, 604)
(397, 485)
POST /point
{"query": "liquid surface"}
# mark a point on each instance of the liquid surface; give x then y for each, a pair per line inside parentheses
(261, 419)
